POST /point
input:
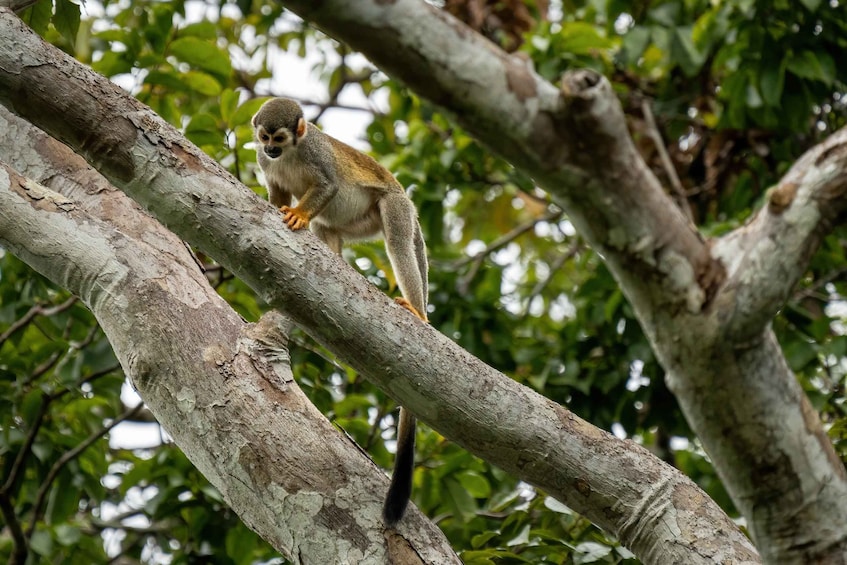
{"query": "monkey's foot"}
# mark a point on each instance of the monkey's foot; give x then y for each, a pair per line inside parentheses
(408, 306)
(295, 218)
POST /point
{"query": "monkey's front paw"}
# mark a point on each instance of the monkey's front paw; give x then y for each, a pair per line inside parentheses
(408, 306)
(295, 218)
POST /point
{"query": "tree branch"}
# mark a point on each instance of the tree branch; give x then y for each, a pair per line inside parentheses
(467, 401)
(739, 395)
(767, 257)
(206, 375)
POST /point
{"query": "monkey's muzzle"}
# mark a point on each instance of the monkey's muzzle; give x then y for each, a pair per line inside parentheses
(273, 152)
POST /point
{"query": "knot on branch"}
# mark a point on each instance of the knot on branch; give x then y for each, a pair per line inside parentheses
(579, 83)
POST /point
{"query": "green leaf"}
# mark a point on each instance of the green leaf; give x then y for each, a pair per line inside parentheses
(246, 111)
(202, 122)
(634, 43)
(168, 78)
(115, 34)
(112, 63)
(201, 82)
(241, 542)
(684, 53)
(67, 20)
(203, 130)
(67, 534)
(41, 543)
(665, 14)
(752, 97)
(811, 5)
(581, 38)
(771, 83)
(202, 54)
(229, 103)
(203, 30)
(464, 506)
(63, 499)
(799, 354)
(812, 65)
(38, 16)
(475, 484)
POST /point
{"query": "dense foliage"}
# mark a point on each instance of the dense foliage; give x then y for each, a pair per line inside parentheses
(721, 96)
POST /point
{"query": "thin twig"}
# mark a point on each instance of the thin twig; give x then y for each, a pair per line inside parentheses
(552, 214)
(20, 460)
(667, 164)
(7, 510)
(477, 259)
(818, 284)
(32, 313)
(68, 456)
(554, 267)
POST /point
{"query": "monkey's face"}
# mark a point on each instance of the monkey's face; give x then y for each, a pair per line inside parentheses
(274, 142)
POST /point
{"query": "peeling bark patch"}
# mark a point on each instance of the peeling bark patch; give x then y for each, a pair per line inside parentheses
(220, 357)
(339, 520)
(520, 81)
(190, 160)
(832, 152)
(400, 551)
(781, 197)
(39, 197)
(83, 120)
(688, 497)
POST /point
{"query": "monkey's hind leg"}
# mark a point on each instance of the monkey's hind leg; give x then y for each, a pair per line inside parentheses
(405, 251)
(329, 236)
(420, 255)
(408, 306)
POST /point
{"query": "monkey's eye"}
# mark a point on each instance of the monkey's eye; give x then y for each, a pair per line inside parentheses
(264, 137)
(279, 138)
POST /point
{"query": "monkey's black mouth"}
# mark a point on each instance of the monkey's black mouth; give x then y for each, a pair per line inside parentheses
(273, 152)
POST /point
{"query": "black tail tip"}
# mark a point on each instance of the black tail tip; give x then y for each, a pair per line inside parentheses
(393, 510)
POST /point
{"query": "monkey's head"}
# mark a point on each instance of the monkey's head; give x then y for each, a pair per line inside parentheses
(278, 125)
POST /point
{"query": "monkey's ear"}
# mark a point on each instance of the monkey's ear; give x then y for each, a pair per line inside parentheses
(253, 120)
(301, 128)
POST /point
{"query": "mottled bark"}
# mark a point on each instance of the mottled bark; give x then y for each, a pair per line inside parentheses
(656, 511)
(221, 387)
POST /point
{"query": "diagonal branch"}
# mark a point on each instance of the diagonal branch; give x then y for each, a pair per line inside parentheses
(574, 143)
(767, 257)
(216, 383)
(481, 409)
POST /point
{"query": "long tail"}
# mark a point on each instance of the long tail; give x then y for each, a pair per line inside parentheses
(404, 465)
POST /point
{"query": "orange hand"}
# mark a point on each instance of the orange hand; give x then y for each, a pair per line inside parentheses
(294, 217)
(408, 306)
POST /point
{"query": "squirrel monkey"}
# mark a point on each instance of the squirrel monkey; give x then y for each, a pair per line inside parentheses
(343, 194)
